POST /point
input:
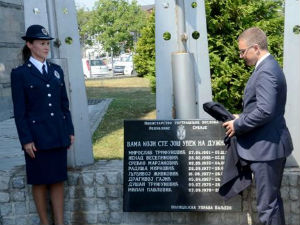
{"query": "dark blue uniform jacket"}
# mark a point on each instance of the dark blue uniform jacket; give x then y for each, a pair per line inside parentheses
(41, 106)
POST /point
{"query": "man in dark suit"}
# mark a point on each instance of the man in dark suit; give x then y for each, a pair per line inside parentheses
(262, 136)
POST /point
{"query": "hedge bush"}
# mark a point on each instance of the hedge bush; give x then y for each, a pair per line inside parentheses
(226, 19)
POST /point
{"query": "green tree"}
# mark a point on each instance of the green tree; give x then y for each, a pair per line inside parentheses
(226, 19)
(115, 23)
(144, 59)
(83, 16)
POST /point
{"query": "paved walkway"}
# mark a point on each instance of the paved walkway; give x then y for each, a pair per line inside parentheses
(11, 154)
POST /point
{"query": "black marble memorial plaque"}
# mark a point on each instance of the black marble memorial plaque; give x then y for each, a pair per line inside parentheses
(174, 165)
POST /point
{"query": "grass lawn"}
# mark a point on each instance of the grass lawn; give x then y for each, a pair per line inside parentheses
(132, 99)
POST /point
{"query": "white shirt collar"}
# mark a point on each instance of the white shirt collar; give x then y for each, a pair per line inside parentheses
(38, 64)
(261, 59)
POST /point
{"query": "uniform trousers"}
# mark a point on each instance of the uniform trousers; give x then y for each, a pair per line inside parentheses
(268, 176)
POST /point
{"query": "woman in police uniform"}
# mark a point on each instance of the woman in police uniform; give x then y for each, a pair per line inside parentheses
(43, 121)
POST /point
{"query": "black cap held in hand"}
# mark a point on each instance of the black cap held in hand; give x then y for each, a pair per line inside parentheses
(36, 32)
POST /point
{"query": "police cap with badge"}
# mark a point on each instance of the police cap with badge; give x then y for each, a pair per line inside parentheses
(36, 32)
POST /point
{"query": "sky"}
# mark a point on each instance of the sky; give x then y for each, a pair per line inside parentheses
(90, 3)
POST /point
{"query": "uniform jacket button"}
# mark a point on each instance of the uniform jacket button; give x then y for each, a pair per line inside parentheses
(50, 104)
(48, 85)
(31, 86)
(49, 95)
(33, 121)
(52, 114)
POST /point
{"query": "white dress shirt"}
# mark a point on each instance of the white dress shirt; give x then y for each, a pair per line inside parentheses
(38, 64)
(261, 59)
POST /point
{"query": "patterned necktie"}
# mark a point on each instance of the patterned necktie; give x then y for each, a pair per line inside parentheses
(44, 71)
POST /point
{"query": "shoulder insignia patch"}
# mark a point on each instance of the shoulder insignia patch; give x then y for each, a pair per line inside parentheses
(56, 74)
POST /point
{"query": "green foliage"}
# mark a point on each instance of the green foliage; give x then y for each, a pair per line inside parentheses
(144, 59)
(83, 17)
(226, 19)
(115, 23)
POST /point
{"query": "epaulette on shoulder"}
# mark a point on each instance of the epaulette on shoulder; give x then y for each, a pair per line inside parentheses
(54, 64)
(18, 67)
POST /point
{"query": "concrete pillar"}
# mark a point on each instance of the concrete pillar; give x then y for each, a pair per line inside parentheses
(291, 67)
(65, 28)
(197, 46)
(184, 86)
(12, 25)
(35, 12)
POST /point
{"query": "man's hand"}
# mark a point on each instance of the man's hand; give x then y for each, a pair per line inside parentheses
(30, 149)
(229, 128)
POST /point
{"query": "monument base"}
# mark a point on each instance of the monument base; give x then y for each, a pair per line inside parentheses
(93, 195)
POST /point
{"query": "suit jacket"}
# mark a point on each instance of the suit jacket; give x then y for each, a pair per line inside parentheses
(236, 175)
(41, 106)
(261, 130)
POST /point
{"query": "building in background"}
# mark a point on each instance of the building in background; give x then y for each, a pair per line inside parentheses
(11, 29)
(148, 8)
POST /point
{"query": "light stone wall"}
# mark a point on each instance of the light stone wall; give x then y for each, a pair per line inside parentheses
(94, 195)
(12, 27)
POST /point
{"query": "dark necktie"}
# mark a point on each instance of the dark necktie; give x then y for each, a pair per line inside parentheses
(44, 71)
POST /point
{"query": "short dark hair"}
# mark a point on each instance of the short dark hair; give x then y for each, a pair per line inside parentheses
(255, 35)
